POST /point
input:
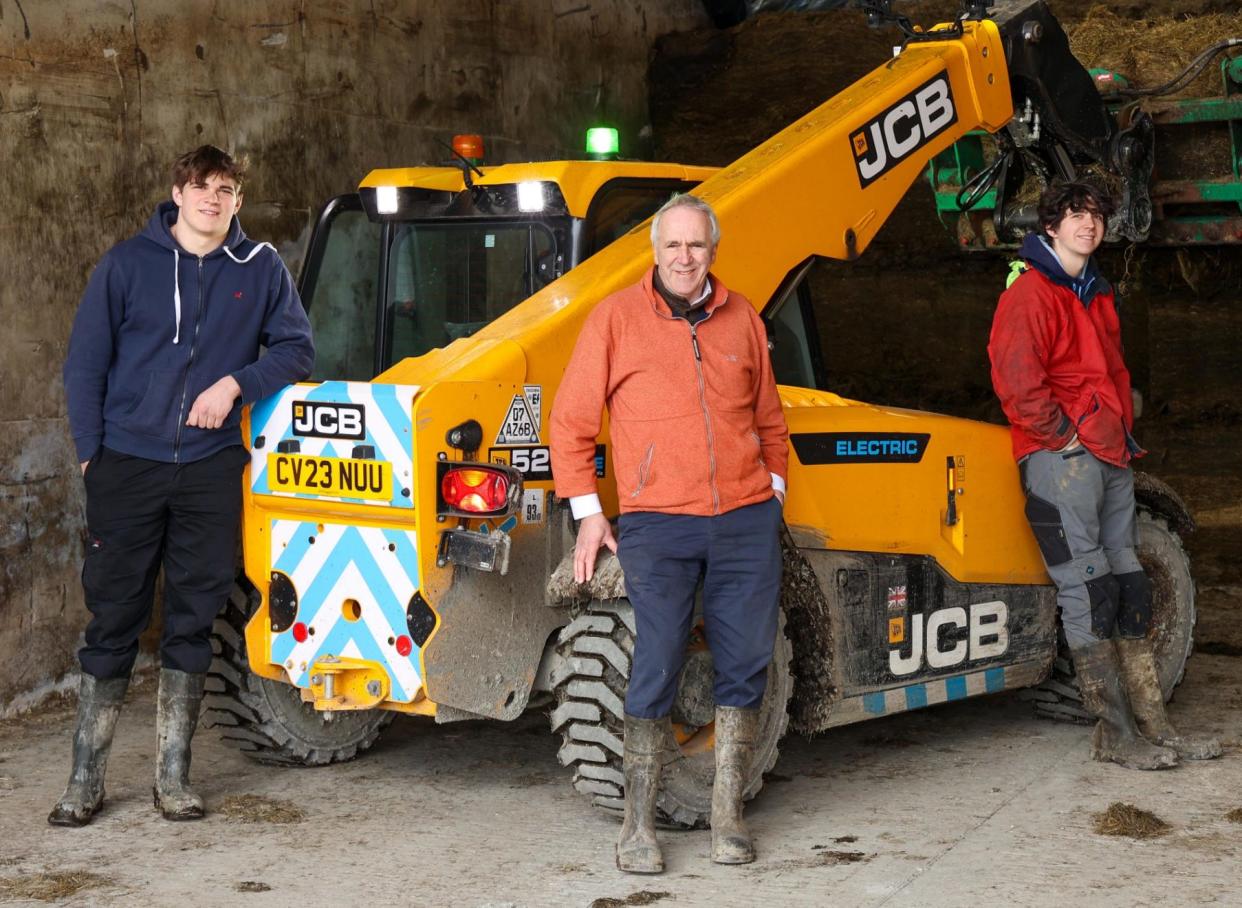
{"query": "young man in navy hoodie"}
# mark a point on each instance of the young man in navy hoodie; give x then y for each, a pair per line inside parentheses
(1058, 370)
(165, 352)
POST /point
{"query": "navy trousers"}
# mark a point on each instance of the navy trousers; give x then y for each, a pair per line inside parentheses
(737, 558)
(138, 513)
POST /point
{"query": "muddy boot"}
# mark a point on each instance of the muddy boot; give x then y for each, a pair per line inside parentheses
(1116, 737)
(99, 704)
(181, 694)
(735, 750)
(638, 851)
(1138, 665)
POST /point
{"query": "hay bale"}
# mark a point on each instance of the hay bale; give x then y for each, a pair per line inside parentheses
(258, 809)
(1130, 821)
(1150, 52)
(50, 886)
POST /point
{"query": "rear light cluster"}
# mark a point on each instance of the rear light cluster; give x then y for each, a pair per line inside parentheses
(478, 490)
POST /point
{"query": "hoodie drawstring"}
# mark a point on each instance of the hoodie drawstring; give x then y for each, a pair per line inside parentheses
(253, 252)
(177, 278)
(177, 293)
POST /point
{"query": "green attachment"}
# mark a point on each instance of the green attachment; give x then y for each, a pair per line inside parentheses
(950, 170)
(1231, 76)
(1233, 73)
(1108, 81)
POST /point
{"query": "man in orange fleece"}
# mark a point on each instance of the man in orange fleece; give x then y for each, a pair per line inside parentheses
(699, 451)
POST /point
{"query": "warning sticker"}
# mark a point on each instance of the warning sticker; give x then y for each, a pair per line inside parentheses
(519, 427)
(896, 630)
(534, 403)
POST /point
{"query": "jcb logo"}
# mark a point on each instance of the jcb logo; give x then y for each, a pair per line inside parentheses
(885, 141)
(328, 420)
(950, 637)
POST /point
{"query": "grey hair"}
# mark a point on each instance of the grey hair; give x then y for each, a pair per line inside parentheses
(685, 200)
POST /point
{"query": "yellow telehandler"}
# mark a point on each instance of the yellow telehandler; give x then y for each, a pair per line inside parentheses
(404, 548)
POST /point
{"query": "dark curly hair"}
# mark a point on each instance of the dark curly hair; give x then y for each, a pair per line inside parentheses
(205, 161)
(1060, 199)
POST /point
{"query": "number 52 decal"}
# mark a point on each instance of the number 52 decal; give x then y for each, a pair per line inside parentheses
(533, 463)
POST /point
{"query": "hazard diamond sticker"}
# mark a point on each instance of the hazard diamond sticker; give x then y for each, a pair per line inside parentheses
(519, 427)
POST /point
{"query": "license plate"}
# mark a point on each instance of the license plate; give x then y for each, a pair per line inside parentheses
(334, 477)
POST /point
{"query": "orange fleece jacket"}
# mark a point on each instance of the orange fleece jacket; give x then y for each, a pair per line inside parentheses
(690, 434)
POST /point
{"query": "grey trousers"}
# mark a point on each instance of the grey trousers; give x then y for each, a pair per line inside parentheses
(1082, 513)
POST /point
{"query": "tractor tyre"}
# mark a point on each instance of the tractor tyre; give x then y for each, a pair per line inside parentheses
(267, 719)
(589, 684)
(1172, 624)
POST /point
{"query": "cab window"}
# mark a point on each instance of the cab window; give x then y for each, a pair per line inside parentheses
(621, 205)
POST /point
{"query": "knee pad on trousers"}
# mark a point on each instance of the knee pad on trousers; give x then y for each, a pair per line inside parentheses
(1105, 593)
(1134, 613)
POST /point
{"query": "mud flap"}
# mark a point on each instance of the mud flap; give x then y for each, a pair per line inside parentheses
(483, 658)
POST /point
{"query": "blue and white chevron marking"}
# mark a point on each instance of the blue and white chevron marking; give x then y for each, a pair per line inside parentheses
(388, 429)
(378, 568)
(941, 690)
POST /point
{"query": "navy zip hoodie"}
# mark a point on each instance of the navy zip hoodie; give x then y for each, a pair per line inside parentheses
(157, 326)
(1038, 252)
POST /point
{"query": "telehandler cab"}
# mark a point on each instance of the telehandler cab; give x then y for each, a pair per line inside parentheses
(406, 553)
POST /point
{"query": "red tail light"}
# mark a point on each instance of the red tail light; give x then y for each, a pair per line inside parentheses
(478, 489)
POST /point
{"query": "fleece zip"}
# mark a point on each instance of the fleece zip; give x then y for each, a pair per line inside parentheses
(696, 424)
(158, 325)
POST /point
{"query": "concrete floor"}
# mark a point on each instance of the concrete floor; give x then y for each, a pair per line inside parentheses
(965, 804)
(970, 803)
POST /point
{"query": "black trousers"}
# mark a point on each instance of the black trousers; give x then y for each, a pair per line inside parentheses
(138, 513)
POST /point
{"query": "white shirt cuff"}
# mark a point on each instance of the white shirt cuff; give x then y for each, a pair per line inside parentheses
(778, 484)
(585, 505)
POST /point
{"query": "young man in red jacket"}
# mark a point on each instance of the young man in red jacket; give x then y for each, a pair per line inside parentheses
(1057, 368)
(699, 452)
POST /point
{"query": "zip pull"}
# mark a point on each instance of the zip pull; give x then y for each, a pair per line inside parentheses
(695, 340)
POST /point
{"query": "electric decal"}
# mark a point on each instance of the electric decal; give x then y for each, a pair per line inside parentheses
(815, 448)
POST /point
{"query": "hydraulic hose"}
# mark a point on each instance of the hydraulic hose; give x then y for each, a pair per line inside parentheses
(1186, 76)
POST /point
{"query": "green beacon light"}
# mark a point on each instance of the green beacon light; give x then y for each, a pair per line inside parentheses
(602, 142)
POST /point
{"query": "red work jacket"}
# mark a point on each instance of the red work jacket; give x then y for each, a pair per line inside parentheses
(1057, 363)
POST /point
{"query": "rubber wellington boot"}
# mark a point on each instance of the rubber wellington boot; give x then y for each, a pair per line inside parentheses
(1116, 737)
(735, 750)
(638, 851)
(1138, 666)
(181, 694)
(99, 705)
